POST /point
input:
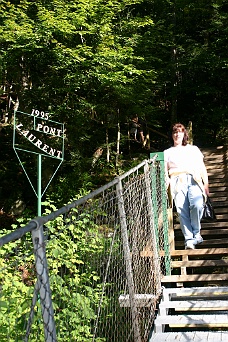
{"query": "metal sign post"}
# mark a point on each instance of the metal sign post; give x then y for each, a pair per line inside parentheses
(36, 134)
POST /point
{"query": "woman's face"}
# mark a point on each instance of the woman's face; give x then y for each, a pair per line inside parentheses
(178, 136)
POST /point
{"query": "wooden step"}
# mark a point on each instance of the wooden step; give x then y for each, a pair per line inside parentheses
(213, 261)
(200, 263)
(190, 321)
(208, 228)
(202, 315)
(207, 243)
(220, 195)
(220, 219)
(220, 210)
(223, 242)
(220, 202)
(193, 305)
(209, 225)
(223, 200)
(193, 252)
(205, 291)
(205, 232)
(216, 171)
(213, 251)
(205, 278)
(216, 163)
(219, 177)
(217, 183)
(194, 336)
(214, 156)
(218, 188)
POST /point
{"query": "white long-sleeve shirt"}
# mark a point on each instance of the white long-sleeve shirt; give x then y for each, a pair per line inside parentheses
(186, 160)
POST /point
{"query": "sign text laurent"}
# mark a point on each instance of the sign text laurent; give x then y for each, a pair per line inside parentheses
(39, 131)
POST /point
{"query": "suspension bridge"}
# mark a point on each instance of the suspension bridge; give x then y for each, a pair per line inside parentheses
(111, 266)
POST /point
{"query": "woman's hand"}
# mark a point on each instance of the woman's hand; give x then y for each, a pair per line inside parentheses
(206, 188)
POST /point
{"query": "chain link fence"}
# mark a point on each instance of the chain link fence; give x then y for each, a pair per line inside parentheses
(92, 270)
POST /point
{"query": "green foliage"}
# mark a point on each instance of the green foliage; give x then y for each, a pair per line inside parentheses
(73, 250)
(17, 281)
(79, 61)
(76, 289)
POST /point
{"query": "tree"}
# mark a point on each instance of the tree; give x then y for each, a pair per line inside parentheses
(92, 64)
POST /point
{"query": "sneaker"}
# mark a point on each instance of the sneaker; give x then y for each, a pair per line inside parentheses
(189, 245)
(198, 239)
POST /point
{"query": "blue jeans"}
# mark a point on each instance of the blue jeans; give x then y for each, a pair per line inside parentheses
(189, 204)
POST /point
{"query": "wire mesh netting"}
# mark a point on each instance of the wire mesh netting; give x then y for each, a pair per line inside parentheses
(103, 277)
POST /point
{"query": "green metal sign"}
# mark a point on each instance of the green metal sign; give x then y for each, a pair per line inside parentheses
(36, 134)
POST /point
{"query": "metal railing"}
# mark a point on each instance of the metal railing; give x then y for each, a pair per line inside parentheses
(92, 270)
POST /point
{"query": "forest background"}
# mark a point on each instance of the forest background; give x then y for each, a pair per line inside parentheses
(93, 65)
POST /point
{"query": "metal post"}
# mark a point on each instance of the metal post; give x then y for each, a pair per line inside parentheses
(154, 201)
(164, 197)
(39, 185)
(44, 285)
(31, 315)
(156, 257)
(165, 215)
(128, 262)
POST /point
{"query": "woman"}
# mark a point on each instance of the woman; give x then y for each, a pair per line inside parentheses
(187, 176)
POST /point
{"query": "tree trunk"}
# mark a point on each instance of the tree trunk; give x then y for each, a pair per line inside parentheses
(118, 143)
(107, 146)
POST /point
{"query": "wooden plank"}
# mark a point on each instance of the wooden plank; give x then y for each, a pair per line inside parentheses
(219, 320)
(207, 251)
(220, 210)
(141, 300)
(223, 204)
(190, 336)
(215, 224)
(216, 182)
(219, 194)
(195, 305)
(222, 199)
(214, 178)
(199, 263)
(195, 291)
(212, 168)
(204, 231)
(213, 161)
(209, 243)
(221, 217)
(195, 278)
(216, 190)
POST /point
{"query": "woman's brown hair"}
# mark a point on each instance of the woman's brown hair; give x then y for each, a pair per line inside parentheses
(178, 126)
